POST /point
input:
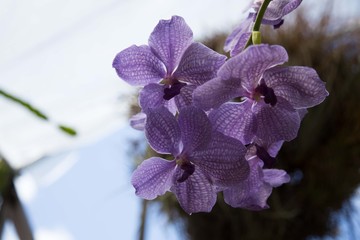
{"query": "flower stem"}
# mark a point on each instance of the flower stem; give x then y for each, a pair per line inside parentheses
(258, 20)
(260, 15)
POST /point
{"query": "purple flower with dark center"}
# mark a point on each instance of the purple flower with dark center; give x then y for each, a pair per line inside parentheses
(253, 193)
(277, 9)
(169, 68)
(273, 98)
(205, 161)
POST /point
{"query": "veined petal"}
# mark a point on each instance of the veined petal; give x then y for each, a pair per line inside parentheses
(300, 86)
(249, 65)
(151, 96)
(198, 64)
(195, 128)
(290, 6)
(276, 123)
(153, 177)
(196, 194)
(162, 131)
(185, 97)
(169, 40)
(216, 92)
(237, 40)
(171, 106)
(240, 44)
(276, 177)
(277, 9)
(302, 112)
(223, 159)
(271, 148)
(138, 121)
(138, 66)
(274, 148)
(251, 193)
(274, 12)
(235, 120)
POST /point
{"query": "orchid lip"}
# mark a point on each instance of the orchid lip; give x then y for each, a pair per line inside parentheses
(173, 89)
(187, 167)
(265, 92)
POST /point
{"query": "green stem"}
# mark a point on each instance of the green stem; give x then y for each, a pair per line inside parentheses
(143, 218)
(258, 20)
(260, 15)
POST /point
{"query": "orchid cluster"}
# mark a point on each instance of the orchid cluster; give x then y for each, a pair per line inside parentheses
(222, 120)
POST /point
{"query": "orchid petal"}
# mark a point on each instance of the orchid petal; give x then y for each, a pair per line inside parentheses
(138, 66)
(276, 10)
(276, 177)
(185, 97)
(196, 194)
(171, 106)
(251, 193)
(162, 131)
(216, 92)
(274, 148)
(276, 123)
(151, 96)
(138, 121)
(235, 120)
(271, 148)
(198, 64)
(290, 6)
(300, 86)
(153, 177)
(237, 40)
(302, 112)
(169, 40)
(223, 160)
(250, 64)
(195, 128)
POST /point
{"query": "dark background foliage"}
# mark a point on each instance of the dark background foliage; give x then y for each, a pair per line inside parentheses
(324, 160)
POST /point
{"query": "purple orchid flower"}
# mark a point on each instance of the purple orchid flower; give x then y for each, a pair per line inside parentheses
(205, 161)
(253, 193)
(273, 98)
(277, 9)
(169, 68)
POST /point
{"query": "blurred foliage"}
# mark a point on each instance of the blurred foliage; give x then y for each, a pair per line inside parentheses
(25, 104)
(324, 160)
(35, 111)
(6, 175)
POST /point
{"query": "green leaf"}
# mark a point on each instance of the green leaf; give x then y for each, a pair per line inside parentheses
(67, 130)
(25, 104)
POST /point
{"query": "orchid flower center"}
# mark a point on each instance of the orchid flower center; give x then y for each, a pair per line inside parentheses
(172, 87)
(187, 167)
(262, 91)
